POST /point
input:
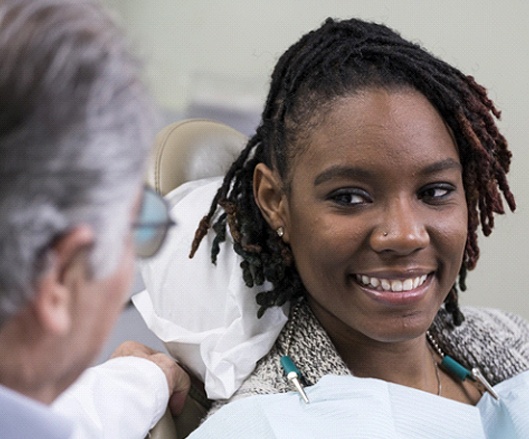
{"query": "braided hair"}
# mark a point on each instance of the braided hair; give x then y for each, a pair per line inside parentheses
(335, 60)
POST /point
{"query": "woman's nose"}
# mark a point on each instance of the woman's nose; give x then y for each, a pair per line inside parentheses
(401, 229)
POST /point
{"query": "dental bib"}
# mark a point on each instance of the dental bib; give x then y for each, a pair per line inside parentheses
(508, 417)
(351, 407)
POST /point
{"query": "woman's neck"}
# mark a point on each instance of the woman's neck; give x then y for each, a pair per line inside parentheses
(409, 361)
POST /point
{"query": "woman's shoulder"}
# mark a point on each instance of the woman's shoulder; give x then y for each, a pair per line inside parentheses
(499, 318)
(496, 341)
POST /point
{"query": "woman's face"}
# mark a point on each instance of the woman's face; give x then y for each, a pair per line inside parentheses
(376, 215)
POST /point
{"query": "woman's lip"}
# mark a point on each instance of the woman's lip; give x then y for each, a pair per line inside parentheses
(401, 274)
(398, 298)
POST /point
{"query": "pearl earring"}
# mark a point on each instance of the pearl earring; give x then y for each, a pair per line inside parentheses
(280, 231)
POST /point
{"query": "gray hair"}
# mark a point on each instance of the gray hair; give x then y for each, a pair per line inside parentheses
(76, 123)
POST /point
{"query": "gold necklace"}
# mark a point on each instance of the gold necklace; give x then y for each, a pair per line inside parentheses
(437, 374)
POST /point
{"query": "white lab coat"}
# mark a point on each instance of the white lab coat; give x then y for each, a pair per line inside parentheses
(121, 398)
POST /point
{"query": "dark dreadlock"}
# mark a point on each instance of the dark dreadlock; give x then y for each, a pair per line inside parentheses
(335, 60)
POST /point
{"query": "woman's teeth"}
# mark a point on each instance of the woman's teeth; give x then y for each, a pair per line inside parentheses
(395, 285)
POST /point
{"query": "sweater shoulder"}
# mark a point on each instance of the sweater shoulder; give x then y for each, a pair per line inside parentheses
(496, 341)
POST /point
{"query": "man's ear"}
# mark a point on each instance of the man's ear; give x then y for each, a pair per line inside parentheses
(271, 199)
(66, 269)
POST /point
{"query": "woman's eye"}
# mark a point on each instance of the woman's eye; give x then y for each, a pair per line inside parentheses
(349, 197)
(437, 192)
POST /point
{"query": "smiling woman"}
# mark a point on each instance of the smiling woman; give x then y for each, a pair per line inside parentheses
(387, 211)
(359, 199)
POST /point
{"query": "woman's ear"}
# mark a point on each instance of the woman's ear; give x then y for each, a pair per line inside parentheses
(271, 199)
(67, 269)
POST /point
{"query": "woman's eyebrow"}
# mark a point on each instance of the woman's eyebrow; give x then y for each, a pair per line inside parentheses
(352, 172)
(355, 172)
(442, 165)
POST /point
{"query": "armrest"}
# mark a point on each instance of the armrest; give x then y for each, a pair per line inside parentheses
(181, 426)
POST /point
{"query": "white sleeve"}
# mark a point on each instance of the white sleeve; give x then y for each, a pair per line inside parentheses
(121, 398)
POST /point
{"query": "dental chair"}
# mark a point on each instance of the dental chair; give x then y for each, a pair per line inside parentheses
(192, 149)
(184, 151)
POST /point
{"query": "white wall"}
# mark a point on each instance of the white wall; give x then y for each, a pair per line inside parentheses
(181, 39)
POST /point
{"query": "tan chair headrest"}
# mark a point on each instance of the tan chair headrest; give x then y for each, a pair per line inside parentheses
(192, 149)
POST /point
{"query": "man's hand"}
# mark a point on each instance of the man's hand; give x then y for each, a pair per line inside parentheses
(177, 378)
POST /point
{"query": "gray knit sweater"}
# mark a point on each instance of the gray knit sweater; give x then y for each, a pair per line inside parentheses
(495, 341)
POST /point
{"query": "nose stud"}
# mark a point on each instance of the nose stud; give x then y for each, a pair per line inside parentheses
(385, 234)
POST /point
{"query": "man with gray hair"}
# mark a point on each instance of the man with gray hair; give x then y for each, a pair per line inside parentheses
(76, 123)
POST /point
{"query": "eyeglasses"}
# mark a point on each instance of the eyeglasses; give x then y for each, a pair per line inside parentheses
(152, 224)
